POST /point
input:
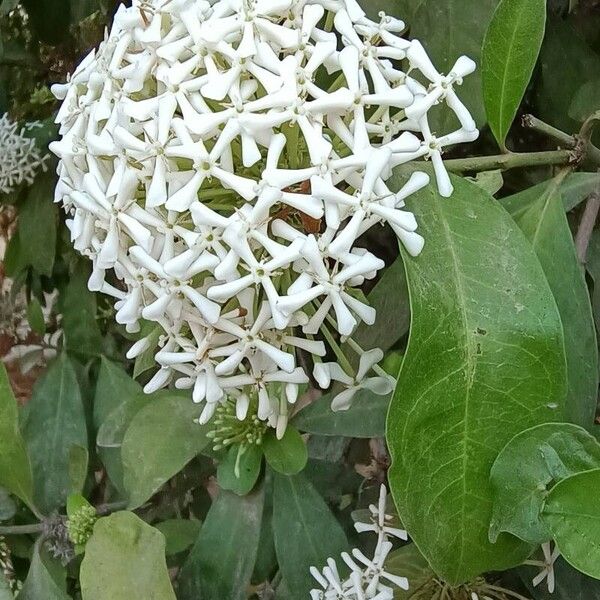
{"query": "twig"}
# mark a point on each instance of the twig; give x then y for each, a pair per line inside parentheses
(22, 529)
(531, 122)
(586, 225)
(511, 161)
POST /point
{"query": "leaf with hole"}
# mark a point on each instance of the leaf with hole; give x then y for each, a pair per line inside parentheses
(485, 361)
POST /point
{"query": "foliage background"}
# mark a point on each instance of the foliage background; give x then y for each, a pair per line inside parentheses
(88, 429)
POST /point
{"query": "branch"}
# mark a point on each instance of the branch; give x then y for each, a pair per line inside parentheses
(511, 161)
(22, 529)
(586, 225)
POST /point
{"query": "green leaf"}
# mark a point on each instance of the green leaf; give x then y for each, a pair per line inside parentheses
(287, 455)
(573, 190)
(510, 50)
(570, 584)
(390, 299)
(125, 559)
(35, 317)
(408, 562)
(162, 438)
(221, 562)
(37, 225)
(485, 361)
(545, 226)
(527, 466)
(239, 473)
(78, 465)
(572, 513)
(55, 422)
(586, 101)
(114, 387)
(490, 181)
(364, 419)
(5, 591)
(448, 30)
(15, 468)
(145, 360)
(179, 534)
(78, 307)
(118, 397)
(306, 532)
(8, 507)
(40, 583)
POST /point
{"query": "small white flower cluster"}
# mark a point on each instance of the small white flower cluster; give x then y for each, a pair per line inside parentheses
(223, 158)
(365, 580)
(21, 159)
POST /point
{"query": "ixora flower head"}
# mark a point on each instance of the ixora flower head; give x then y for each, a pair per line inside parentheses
(222, 159)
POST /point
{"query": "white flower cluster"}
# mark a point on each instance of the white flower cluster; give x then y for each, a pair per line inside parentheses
(365, 580)
(21, 159)
(222, 158)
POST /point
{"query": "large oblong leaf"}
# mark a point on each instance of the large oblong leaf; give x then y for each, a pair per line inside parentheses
(510, 50)
(546, 227)
(572, 513)
(55, 423)
(306, 532)
(221, 561)
(485, 361)
(125, 559)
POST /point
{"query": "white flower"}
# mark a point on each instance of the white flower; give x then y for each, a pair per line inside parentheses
(365, 580)
(547, 566)
(205, 162)
(21, 159)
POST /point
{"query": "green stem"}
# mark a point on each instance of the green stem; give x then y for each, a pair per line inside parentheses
(509, 161)
(22, 529)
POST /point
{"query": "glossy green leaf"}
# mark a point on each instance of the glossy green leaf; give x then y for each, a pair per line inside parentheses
(572, 513)
(364, 419)
(448, 30)
(55, 422)
(125, 559)
(545, 226)
(510, 51)
(306, 532)
(221, 562)
(40, 584)
(37, 225)
(287, 455)
(239, 472)
(573, 190)
(161, 439)
(527, 467)
(179, 534)
(485, 361)
(15, 468)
